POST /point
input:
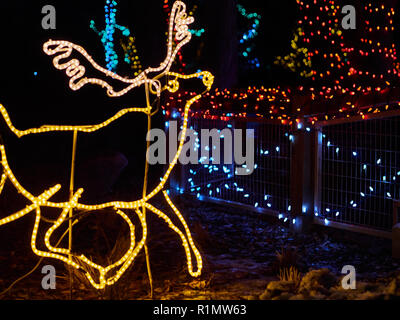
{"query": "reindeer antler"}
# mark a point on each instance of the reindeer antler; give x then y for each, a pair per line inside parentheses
(179, 22)
(76, 71)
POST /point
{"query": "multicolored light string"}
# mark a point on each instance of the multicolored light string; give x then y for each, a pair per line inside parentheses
(131, 55)
(196, 32)
(343, 85)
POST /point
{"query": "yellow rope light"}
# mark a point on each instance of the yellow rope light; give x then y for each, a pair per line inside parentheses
(131, 55)
(52, 128)
(2, 182)
(189, 238)
(179, 22)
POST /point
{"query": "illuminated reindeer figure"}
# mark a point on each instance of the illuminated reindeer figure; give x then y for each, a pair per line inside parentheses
(109, 275)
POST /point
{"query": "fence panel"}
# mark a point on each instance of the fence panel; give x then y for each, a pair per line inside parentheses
(361, 172)
(267, 187)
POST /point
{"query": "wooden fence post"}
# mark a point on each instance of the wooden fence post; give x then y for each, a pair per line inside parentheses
(304, 177)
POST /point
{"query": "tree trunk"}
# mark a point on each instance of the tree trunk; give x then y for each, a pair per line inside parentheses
(221, 47)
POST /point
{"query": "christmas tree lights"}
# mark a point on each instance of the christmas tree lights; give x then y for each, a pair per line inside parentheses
(297, 60)
(369, 163)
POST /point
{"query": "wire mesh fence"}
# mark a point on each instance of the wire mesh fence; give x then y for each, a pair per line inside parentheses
(361, 172)
(268, 186)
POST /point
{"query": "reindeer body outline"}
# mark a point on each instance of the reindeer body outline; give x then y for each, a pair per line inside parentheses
(179, 23)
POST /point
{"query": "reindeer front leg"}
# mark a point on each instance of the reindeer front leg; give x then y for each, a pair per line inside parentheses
(187, 240)
(188, 237)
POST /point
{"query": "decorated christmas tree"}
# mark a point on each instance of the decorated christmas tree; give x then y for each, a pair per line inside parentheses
(341, 60)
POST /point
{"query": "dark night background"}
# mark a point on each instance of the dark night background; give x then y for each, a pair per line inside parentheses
(46, 98)
(23, 38)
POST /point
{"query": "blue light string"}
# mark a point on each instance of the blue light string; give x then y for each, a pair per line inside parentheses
(247, 47)
(386, 188)
(222, 177)
(107, 35)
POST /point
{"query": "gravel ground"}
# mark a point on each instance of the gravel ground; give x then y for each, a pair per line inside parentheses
(243, 253)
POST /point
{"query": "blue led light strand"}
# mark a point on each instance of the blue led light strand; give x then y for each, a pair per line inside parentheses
(108, 34)
(246, 42)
